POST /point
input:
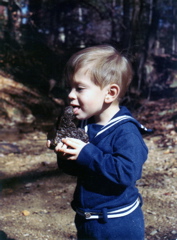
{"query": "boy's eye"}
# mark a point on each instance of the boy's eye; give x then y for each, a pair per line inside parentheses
(79, 89)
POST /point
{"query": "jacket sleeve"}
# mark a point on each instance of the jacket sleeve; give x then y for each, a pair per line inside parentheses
(121, 164)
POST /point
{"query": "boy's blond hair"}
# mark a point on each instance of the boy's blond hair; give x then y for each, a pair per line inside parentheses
(105, 66)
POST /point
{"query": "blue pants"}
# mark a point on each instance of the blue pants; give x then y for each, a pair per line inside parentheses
(130, 227)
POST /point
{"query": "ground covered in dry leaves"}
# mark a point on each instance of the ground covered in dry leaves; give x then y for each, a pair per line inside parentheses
(35, 195)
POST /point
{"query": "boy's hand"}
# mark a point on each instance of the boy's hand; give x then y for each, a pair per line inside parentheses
(70, 147)
(60, 145)
(48, 143)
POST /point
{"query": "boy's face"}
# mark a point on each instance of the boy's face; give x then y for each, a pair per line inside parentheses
(86, 98)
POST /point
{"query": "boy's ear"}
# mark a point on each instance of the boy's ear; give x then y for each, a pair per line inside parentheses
(113, 93)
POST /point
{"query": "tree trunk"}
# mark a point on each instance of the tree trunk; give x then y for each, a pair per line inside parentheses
(174, 38)
(149, 41)
(125, 38)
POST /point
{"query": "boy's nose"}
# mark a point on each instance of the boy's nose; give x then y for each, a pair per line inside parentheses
(71, 95)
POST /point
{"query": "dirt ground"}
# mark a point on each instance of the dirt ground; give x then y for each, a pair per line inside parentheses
(35, 195)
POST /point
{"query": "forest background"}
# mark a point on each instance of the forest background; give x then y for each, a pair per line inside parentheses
(37, 37)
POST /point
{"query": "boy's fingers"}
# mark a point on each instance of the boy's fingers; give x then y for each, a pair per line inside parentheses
(48, 143)
(71, 158)
(60, 145)
(68, 151)
(72, 142)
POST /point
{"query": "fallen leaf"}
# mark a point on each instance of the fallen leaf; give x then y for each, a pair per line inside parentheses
(167, 151)
(8, 191)
(25, 213)
(167, 193)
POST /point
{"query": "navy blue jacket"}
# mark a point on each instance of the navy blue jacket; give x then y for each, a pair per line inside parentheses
(109, 165)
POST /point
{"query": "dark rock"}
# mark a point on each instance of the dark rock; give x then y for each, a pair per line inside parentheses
(67, 127)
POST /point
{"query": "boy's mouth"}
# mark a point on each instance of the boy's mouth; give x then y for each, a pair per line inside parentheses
(75, 109)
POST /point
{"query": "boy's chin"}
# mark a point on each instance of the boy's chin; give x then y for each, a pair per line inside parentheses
(78, 117)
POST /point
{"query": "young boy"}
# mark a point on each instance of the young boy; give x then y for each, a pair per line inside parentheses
(106, 200)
